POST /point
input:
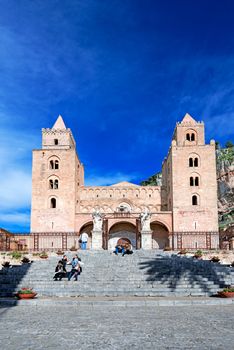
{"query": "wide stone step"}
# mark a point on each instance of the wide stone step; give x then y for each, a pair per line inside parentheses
(141, 274)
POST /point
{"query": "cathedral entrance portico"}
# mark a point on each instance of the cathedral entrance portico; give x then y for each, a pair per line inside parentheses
(122, 231)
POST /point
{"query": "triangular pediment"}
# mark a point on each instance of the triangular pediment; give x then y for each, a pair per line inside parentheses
(124, 184)
(59, 124)
(188, 120)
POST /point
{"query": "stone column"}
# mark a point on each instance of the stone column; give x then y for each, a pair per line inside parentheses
(146, 240)
(96, 240)
(171, 243)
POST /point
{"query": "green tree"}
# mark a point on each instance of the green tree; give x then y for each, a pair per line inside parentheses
(154, 180)
(229, 144)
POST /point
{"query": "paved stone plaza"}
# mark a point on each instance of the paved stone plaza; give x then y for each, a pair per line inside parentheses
(114, 327)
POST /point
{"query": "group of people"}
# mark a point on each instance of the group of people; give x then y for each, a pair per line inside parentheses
(125, 248)
(61, 271)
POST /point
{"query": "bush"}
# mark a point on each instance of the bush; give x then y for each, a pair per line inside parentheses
(16, 255)
(26, 291)
(229, 289)
(198, 254)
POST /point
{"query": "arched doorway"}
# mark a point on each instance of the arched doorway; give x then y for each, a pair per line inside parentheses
(88, 227)
(123, 231)
(160, 235)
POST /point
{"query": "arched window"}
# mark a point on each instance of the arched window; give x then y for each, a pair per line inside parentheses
(196, 181)
(191, 181)
(194, 200)
(193, 161)
(53, 202)
(56, 184)
(53, 164)
(190, 135)
(53, 184)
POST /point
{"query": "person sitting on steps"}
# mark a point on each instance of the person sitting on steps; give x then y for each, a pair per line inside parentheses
(60, 271)
(76, 268)
(127, 249)
(119, 248)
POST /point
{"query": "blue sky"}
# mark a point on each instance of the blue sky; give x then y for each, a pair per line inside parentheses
(121, 73)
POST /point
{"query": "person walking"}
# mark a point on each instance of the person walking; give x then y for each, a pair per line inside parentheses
(84, 240)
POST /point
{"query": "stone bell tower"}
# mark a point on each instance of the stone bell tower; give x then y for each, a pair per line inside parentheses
(190, 173)
(56, 174)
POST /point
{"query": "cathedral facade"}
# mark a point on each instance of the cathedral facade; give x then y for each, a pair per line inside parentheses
(181, 213)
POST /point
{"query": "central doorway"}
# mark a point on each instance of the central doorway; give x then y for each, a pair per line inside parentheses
(122, 232)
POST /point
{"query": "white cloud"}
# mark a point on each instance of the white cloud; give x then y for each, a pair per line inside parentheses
(15, 190)
(15, 218)
(221, 125)
(15, 177)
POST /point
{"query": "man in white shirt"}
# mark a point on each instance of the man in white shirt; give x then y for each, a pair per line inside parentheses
(84, 239)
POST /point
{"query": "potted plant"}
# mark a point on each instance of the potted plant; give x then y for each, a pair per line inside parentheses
(198, 254)
(60, 252)
(43, 255)
(182, 252)
(25, 260)
(36, 254)
(215, 259)
(73, 249)
(167, 249)
(227, 292)
(26, 293)
(6, 264)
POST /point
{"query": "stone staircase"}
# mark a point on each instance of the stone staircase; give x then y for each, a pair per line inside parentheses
(144, 273)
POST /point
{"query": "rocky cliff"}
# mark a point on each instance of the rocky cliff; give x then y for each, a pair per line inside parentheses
(225, 179)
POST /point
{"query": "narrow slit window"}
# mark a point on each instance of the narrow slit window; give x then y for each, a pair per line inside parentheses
(56, 184)
(194, 200)
(56, 164)
(188, 137)
(51, 164)
(56, 141)
(196, 162)
(190, 162)
(196, 181)
(53, 203)
(191, 181)
(192, 137)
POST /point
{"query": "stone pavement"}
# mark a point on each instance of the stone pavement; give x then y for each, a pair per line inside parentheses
(71, 326)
